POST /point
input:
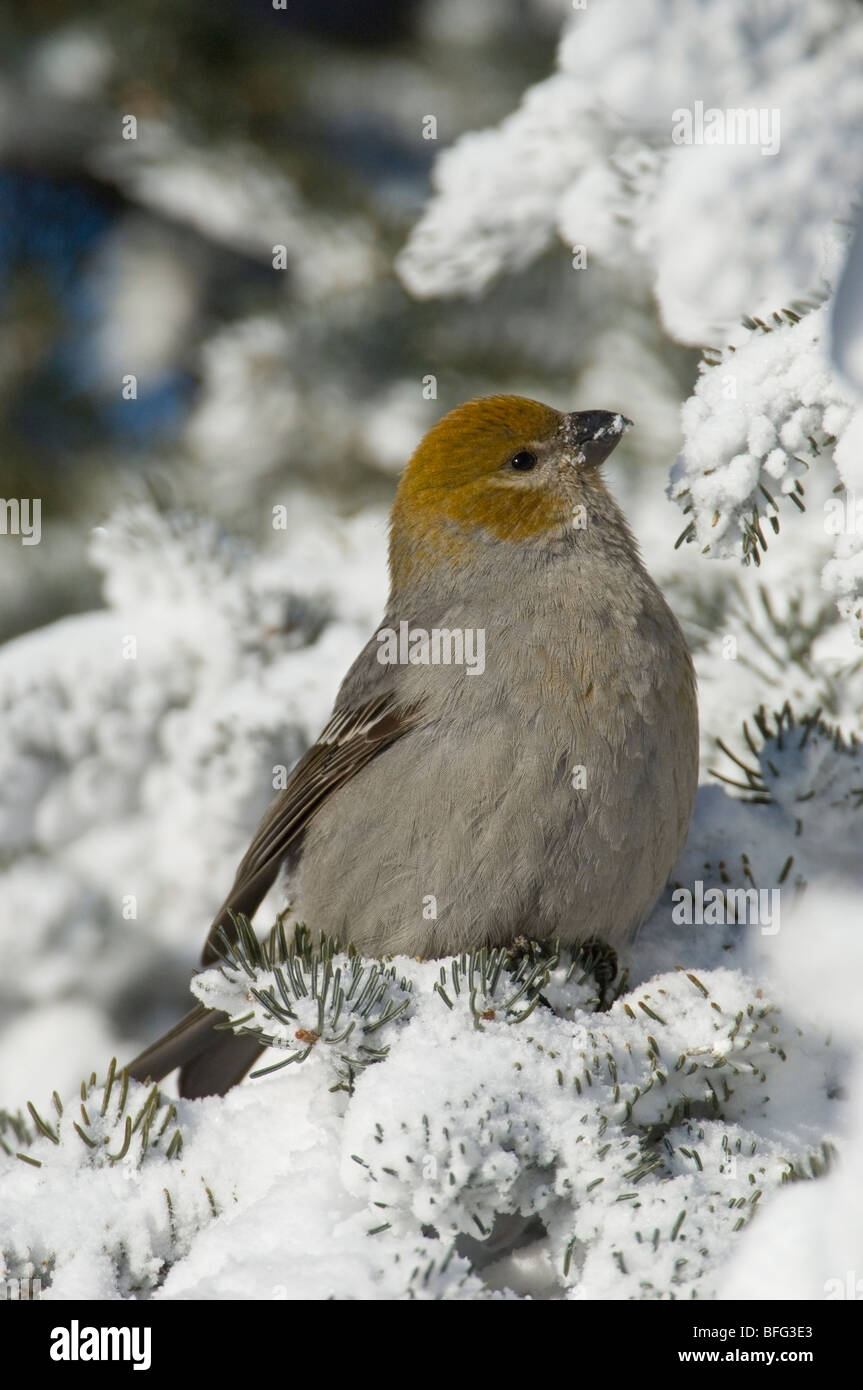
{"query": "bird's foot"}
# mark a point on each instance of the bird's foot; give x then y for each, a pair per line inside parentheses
(600, 960)
(527, 948)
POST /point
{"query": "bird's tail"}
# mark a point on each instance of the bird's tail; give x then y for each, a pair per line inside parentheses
(211, 1059)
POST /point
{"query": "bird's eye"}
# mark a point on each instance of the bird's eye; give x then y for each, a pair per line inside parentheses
(523, 461)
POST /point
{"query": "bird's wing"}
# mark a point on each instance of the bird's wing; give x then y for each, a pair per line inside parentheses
(355, 734)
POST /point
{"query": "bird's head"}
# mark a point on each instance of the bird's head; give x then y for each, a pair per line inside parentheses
(498, 470)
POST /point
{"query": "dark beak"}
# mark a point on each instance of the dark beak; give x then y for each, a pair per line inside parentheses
(592, 434)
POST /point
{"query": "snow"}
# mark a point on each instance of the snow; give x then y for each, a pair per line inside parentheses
(589, 157)
(315, 1192)
(701, 1138)
(317, 1180)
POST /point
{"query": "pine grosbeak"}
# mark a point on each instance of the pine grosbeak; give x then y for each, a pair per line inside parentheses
(515, 753)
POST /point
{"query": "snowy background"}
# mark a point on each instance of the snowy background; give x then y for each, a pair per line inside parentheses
(300, 282)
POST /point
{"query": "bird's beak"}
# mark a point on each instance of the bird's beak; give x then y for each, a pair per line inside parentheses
(592, 434)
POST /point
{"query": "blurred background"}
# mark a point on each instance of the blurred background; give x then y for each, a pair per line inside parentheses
(201, 321)
(250, 251)
(240, 277)
(151, 163)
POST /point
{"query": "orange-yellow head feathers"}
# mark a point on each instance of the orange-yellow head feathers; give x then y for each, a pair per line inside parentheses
(500, 468)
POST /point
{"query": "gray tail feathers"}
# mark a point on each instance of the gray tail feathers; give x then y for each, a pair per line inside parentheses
(211, 1060)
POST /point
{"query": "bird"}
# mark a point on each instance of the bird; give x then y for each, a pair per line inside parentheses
(543, 791)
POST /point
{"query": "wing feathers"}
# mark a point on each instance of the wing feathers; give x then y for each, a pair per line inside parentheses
(353, 736)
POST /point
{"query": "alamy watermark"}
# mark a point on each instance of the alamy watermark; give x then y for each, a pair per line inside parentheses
(20, 1290)
(754, 907)
(21, 516)
(843, 516)
(438, 646)
(77, 1343)
(738, 125)
(850, 1287)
